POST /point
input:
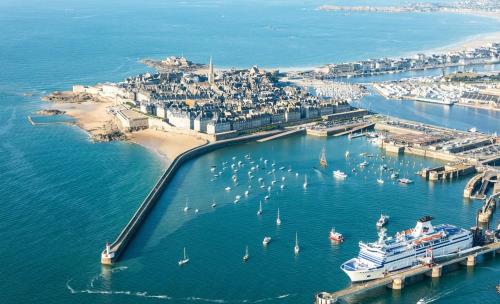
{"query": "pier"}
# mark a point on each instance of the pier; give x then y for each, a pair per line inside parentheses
(283, 134)
(112, 252)
(338, 129)
(397, 280)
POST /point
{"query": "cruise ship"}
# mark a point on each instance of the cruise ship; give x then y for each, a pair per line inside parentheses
(406, 249)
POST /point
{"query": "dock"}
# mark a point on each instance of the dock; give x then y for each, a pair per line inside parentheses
(355, 129)
(113, 251)
(397, 280)
(338, 129)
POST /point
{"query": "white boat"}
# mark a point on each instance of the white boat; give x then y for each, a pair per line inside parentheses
(283, 178)
(214, 204)
(296, 174)
(269, 189)
(186, 207)
(339, 174)
(259, 212)
(421, 301)
(382, 221)
(380, 181)
(278, 220)
(266, 240)
(305, 182)
(346, 154)
(227, 188)
(405, 180)
(247, 193)
(282, 168)
(266, 197)
(184, 260)
(246, 256)
(260, 179)
(363, 164)
(282, 187)
(394, 175)
(405, 249)
(196, 210)
(296, 249)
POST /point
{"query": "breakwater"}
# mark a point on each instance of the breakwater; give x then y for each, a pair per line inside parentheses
(112, 251)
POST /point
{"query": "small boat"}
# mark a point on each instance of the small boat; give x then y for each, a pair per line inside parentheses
(421, 301)
(296, 249)
(262, 186)
(227, 188)
(336, 236)
(394, 175)
(382, 221)
(214, 204)
(405, 181)
(186, 208)
(273, 182)
(283, 178)
(196, 210)
(260, 179)
(266, 197)
(380, 181)
(498, 288)
(282, 168)
(346, 154)
(353, 170)
(213, 168)
(282, 187)
(246, 256)
(339, 174)
(296, 174)
(247, 193)
(185, 259)
(266, 240)
(322, 158)
(305, 182)
(259, 212)
(289, 169)
(278, 220)
(269, 189)
(363, 164)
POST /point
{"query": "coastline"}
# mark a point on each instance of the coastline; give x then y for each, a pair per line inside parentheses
(95, 119)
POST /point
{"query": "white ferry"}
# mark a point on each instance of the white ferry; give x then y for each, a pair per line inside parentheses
(405, 249)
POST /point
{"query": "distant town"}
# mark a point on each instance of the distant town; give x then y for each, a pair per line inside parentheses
(476, 56)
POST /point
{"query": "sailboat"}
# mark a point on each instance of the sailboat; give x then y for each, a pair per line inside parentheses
(259, 212)
(305, 182)
(322, 158)
(246, 256)
(185, 259)
(186, 208)
(379, 179)
(296, 249)
(278, 220)
(346, 154)
(214, 204)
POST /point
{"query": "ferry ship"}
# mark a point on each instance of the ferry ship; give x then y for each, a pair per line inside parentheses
(405, 249)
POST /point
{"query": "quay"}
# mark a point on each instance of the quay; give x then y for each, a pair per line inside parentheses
(112, 252)
(472, 185)
(338, 129)
(397, 280)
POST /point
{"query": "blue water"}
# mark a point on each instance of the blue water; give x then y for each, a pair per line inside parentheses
(64, 196)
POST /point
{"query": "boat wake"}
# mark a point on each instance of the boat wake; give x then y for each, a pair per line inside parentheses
(440, 295)
(145, 294)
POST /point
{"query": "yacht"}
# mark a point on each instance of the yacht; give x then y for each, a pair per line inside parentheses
(266, 240)
(227, 188)
(405, 180)
(406, 249)
(184, 260)
(259, 212)
(186, 208)
(382, 221)
(305, 182)
(336, 236)
(339, 174)
(246, 256)
(296, 249)
(363, 164)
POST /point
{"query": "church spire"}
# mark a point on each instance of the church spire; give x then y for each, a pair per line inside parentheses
(211, 76)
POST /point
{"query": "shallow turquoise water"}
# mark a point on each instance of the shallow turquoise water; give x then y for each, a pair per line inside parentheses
(62, 196)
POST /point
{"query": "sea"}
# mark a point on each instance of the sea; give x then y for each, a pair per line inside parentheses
(62, 197)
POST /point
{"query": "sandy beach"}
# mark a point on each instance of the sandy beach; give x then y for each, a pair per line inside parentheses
(90, 116)
(166, 144)
(470, 42)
